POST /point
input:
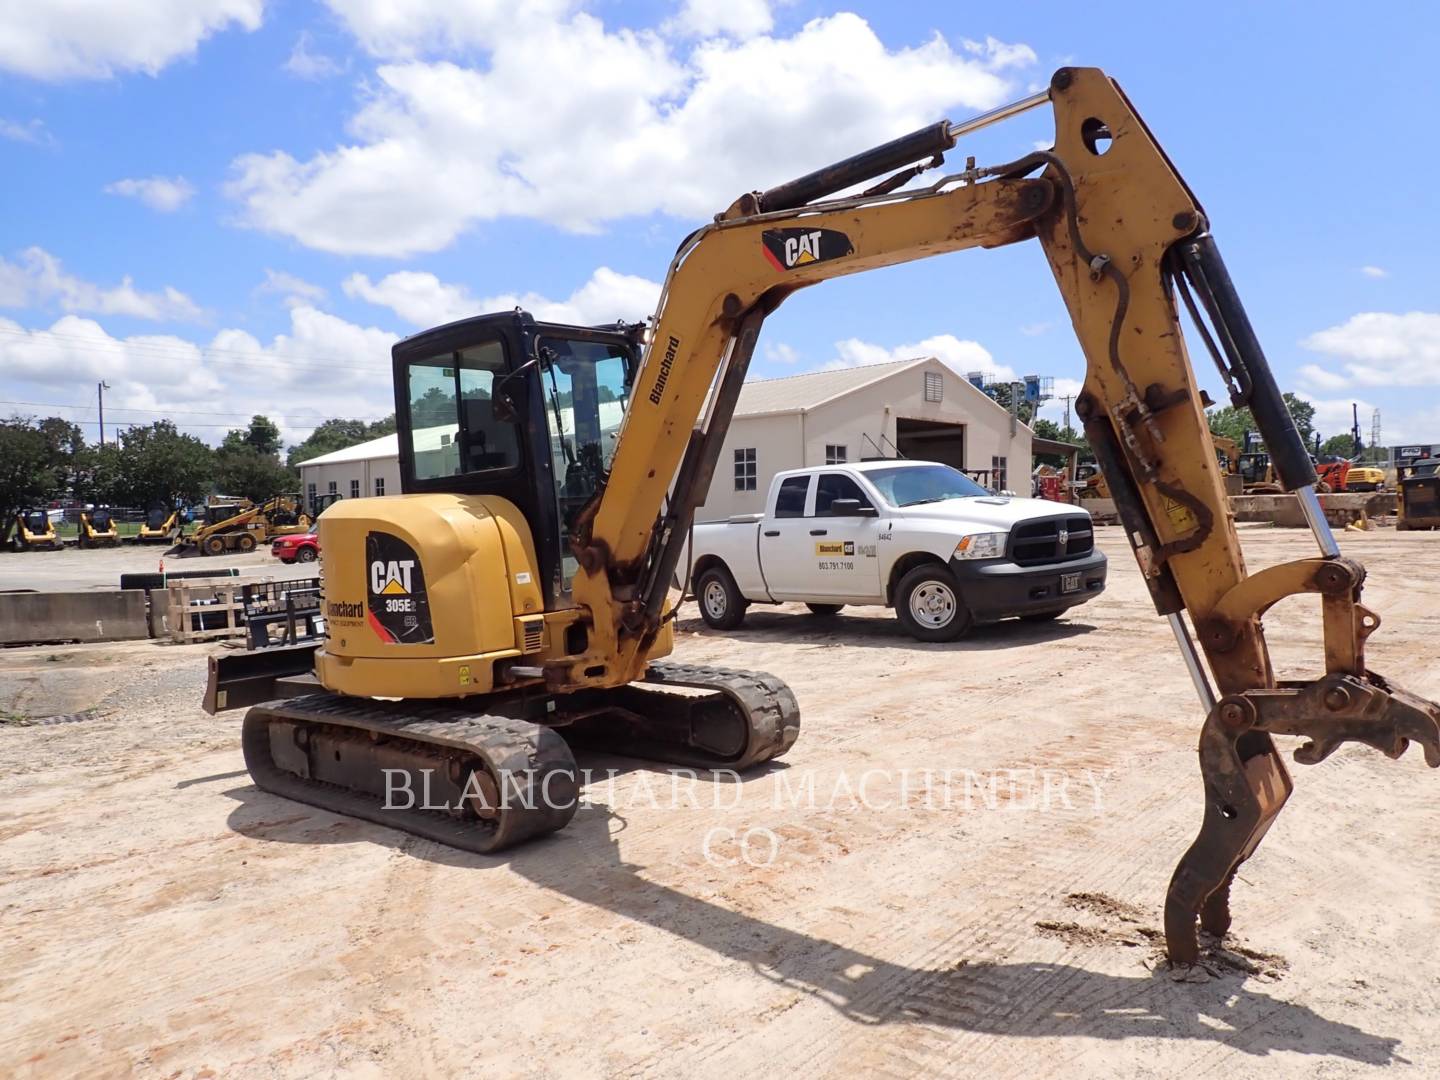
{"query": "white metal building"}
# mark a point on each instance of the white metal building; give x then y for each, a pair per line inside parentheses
(913, 408)
(368, 468)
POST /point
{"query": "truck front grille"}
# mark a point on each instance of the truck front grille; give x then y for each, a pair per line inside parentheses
(1058, 539)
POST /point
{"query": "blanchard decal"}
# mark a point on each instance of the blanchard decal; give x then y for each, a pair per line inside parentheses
(344, 609)
(835, 547)
(666, 363)
(790, 249)
(399, 608)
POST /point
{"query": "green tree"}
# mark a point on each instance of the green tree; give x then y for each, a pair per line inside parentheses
(1048, 429)
(244, 470)
(67, 444)
(29, 475)
(1233, 422)
(162, 467)
(1002, 393)
(1339, 446)
(263, 435)
(337, 434)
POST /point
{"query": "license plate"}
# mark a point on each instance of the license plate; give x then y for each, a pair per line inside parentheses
(1069, 583)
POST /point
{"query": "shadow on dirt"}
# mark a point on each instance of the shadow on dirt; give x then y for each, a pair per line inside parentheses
(881, 631)
(583, 863)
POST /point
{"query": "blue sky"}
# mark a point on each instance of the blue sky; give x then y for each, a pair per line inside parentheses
(228, 206)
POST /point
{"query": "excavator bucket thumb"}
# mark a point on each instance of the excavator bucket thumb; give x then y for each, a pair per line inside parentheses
(1246, 783)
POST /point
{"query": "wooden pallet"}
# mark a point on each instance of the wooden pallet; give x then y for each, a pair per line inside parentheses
(191, 600)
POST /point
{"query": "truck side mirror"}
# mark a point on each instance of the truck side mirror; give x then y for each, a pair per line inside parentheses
(851, 508)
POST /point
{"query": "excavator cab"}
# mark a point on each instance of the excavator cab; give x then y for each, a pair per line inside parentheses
(530, 412)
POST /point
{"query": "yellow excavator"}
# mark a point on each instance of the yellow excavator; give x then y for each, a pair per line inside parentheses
(518, 589)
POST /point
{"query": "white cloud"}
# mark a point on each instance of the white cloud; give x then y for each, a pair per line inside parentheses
(323, 367)
(1380, 348)
(1374, 272)
(422, 299)
(1037, 328)
(405, 28)
(439, 147)
(65, 39)
(1334, 416)
(1316, 376)
(38, 280)
(296, 291)
(34, 132)
(305, 64)
(161, 193)
(962, 355)
(780, 353)
(709, 18)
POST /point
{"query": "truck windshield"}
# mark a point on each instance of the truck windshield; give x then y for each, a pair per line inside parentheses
(912, 485)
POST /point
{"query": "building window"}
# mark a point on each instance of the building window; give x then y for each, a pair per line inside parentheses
(379, 485)
(745, 469)
(310, 491)
(997, 473)
(934, 386)
(354, 489)
(834, 455)
(332, 487)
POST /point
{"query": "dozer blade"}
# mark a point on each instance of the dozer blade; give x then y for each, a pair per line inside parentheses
(745, 718)
(466, 779)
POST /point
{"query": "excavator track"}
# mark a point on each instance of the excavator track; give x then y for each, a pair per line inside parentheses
(471, 780)
(484, 782)
(747, 718)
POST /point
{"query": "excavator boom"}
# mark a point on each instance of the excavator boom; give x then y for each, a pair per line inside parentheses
(1129, 245)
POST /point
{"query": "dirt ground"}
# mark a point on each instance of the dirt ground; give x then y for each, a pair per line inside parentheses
(163, 917)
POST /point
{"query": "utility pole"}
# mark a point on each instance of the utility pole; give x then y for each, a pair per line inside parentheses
(100, 389)
(1067, 399)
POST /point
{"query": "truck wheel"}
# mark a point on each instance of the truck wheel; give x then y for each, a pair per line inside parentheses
(825, 610)
(215, 546)
(306, 554)
(928, 605)
(246, 542)
(721, 605)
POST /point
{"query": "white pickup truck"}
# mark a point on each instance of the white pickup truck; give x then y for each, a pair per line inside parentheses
(914, 535)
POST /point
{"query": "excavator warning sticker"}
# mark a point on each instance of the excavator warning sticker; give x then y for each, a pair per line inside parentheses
(790, 249)
(398, 606)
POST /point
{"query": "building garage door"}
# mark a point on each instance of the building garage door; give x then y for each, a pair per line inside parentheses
(931, 440)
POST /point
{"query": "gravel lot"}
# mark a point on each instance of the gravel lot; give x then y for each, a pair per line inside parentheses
(163, 917)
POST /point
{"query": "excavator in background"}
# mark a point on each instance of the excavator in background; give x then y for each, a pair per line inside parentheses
(34, 531)
(518, 589)
(239, 525)
(161, 526)
(97, 528)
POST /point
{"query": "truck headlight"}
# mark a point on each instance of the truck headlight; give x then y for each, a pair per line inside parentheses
(989, 545)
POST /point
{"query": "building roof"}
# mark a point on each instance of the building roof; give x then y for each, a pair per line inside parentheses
(797, 393)
(386, 446)
(801, 393)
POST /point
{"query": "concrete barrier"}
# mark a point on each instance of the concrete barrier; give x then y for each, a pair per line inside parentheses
(1340, 508)
(36, 618)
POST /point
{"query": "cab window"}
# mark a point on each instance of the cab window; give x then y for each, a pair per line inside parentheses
(833, 486)
(453, 426)
(790, 499)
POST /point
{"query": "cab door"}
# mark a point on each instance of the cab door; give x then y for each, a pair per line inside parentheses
(843, 562)
(786, 560)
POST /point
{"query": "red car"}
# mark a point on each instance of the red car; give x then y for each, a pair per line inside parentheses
(302, 547)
